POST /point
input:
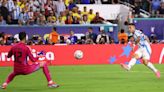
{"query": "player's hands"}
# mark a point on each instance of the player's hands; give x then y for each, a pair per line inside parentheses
(41, 54)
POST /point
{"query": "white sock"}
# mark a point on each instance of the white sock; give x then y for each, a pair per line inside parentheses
(132, 63)
(151, 66)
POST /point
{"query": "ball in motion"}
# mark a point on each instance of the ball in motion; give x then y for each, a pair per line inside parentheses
(78, 54)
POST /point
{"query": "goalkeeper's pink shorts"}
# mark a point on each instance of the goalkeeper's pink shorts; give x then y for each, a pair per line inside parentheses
(28, 69)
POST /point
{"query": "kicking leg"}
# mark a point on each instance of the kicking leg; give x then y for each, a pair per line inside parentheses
(8, 80)
(132, 62)
(151, 67)
(51, 84)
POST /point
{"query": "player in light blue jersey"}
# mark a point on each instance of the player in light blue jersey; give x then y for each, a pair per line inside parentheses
(143, 51)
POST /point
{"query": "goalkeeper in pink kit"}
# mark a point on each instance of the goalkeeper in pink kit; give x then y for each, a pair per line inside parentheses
(21, 67)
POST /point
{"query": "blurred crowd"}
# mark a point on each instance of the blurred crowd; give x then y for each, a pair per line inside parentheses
(46, 12)
(52, 12)
(154, 7)
(90, 37)
(55, 38)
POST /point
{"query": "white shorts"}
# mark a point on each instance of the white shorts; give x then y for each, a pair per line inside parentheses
(144, 52)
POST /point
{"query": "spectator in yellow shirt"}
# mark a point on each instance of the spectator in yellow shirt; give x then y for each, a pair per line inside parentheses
(91, 16)
(21, 4)
(66, 2)
(52, 18)
(75, 12)
(59, 21)
(84, 12)
(63, 16)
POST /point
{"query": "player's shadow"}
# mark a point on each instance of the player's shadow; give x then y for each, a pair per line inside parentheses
(31, 89)
(41, 89)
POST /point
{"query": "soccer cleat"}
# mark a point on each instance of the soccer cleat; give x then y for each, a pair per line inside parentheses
(3, 86)
(53, 85)
(124, 66)
(158, 74)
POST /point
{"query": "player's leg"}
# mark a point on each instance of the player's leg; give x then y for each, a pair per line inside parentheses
(151, 67)
(133, 60)
(8, 80)
(146, 58)
(34, 67)
(51, 84)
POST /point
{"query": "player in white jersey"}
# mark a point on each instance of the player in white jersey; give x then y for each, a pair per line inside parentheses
(143, 51)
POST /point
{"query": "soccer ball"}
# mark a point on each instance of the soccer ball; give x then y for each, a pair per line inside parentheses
(78, 54)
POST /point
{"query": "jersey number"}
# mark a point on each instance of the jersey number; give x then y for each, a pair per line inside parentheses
(18, 55)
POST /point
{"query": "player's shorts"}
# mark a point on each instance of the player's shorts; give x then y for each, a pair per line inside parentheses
(24, 70)
(144, 52)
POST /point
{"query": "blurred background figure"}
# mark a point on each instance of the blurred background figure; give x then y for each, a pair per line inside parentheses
(2, 38)
(23, 17)
(73, 39)
(90, 36)
(102, 38)
(2, 21)
(85, 20)
(9, 39)
(54, 36)
(91, 15)
(60, 7)
(75, 20)
(4, 12)
(160, 11)
(97, 19)
(123, 37)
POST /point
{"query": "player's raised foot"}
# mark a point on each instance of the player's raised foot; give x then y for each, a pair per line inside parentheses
(124, 66)
(158, 74)
(53, 85)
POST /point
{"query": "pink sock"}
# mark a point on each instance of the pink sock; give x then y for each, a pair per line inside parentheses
(10, 77)
(46, 72)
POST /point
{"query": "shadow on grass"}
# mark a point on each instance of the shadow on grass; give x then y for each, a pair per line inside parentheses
(25, 89)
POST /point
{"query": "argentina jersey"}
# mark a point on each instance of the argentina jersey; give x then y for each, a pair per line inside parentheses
(144, 46)
(143, 40)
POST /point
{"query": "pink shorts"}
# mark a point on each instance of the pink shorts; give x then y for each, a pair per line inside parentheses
(24, 70)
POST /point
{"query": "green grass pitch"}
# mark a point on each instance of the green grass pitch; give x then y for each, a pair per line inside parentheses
(88, 78)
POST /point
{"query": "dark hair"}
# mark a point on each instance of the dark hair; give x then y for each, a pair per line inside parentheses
(22, 35)
(131, 24)
(54, 28)
(122, 31)
(126, 23)
(141, 30)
